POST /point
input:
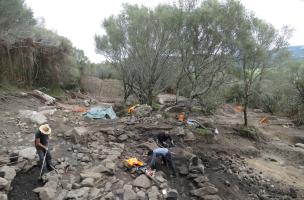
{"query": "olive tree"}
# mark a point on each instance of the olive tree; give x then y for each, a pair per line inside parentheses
(138, 43)
(258, 46)
(204, 45)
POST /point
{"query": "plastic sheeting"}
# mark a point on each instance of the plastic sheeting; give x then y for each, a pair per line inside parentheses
(101, 113)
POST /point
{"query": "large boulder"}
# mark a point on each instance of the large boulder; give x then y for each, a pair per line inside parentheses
(196, 166)
(142, 111)
(189, 136)
(97, 169)
(212, 197)
(128, 193)
(109, 196)
(48, 191)
(300, 145)
(122, 138)
(90, 174)
(79, 194)
(204, 191)
(88, 182)
(166, 99)
(28, 153)
(79, 135)
(141, 195)
(110, 166)
(33, 116)
(8, 173)
(154, 193)
(4, 160)
(62, 194)
(3, 196)
(3, 183)
(201, 179)
(94, 193)
(142, 181)
(183, 170)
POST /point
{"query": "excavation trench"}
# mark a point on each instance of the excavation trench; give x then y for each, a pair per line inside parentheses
(23, 185)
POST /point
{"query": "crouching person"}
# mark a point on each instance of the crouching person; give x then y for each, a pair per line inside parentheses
(165, 155)
(41, 144)
(163, 139)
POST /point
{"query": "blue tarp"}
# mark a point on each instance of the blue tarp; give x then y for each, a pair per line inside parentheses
(101, 113)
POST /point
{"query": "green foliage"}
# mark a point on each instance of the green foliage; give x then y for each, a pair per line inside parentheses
(81, 60)
(203, 131)
(101, 70)
(16, 20)
(213, 100)
(250, 133)
(166, 115)
(258, 46)
(155, 106)
(31, 55)
(138, 43)
(55, 92)
(234, 93)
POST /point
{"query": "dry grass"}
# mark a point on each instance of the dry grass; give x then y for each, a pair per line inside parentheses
(108, 90)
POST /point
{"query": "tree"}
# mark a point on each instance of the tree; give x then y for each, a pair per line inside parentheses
(81, 60)
(297, 79)
(16, 20)
(30, 55)
(138, 43)
(204, 44)
(258, 46)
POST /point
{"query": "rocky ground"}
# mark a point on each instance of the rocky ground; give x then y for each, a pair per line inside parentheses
(260, 164)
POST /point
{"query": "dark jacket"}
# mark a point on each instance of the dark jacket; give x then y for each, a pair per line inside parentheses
(44, 139)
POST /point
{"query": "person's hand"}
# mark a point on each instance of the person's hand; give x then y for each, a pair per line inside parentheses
(46, 148)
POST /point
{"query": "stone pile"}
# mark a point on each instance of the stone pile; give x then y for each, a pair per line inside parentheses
(7, 174)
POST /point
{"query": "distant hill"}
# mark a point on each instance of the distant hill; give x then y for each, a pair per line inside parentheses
(297, 52)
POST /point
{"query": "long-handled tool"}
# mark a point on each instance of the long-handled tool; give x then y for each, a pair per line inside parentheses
(54, 169)
(40, 178)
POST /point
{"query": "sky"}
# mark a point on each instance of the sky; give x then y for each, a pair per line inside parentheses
(80, 20)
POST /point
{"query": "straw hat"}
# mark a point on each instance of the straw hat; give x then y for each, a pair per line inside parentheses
(45, 129)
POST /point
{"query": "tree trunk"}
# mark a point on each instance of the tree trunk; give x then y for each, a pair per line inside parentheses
(11, 73)
(177, 90)
(176, 95)
(126, 91)
(191, 101)
(150, 97)
(245, 110)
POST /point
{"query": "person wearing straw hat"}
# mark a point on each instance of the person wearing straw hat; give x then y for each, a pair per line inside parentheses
(41, 144)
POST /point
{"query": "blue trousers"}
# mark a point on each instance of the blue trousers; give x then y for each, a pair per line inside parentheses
(48, 159)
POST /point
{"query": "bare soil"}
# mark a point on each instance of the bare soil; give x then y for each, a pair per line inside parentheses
(275, 158)
(23, 185)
